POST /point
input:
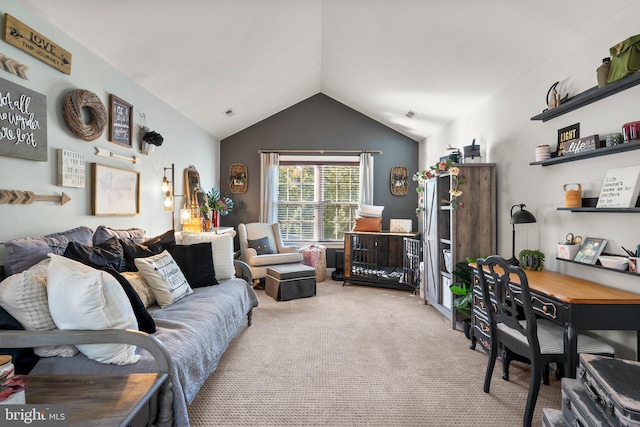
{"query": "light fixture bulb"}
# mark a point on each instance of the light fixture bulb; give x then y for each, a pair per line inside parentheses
(165, 184)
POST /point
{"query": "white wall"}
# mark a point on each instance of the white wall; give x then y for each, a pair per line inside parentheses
(508, 137)
(184, 143)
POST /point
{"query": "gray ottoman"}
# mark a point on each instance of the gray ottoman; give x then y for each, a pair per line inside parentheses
(290, 281)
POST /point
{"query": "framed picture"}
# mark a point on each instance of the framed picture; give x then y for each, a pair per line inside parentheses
(120, 121)
(70, 168)
(114, 191)
(590, 250)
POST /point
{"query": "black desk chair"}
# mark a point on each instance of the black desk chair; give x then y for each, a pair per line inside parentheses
(538, 340)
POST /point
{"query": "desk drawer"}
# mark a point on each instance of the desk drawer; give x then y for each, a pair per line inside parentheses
(543, 305)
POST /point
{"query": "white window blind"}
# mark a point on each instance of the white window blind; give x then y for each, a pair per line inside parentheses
(317, 199)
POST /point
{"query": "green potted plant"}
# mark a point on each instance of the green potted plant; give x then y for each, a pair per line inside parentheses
(462, 290)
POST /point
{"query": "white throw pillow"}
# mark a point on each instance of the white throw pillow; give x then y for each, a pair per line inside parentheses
(24, 296)
(221, 248)
(164, 277)
(140, 286)
(370, 210)
(81, 297)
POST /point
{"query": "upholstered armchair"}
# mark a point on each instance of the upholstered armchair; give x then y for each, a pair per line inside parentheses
(261, 246)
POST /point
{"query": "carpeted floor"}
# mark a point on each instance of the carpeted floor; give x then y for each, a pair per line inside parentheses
(359, 356)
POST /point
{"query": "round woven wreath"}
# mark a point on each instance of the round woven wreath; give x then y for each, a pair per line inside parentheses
(72, 107)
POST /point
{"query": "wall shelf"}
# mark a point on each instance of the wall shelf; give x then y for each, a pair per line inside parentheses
(589, 205)
(598, 266)
(587, 97)
(620, 148)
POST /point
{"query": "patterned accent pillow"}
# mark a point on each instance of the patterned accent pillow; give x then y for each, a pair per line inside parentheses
(164, 277)
(140, 286)
(24, 296)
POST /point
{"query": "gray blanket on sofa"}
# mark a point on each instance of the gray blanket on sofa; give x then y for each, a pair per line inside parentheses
(195, 330)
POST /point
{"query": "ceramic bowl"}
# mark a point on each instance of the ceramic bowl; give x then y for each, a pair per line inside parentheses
(612, 261)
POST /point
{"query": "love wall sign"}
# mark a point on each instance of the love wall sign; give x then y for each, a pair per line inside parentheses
(35, 44)
(23, 122)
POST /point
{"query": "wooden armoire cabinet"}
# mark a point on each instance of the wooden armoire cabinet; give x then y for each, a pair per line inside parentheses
(466, 231)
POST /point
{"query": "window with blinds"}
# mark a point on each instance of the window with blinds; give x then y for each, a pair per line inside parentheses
(317, 200)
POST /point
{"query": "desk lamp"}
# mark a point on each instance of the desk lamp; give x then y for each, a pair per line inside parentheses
(521, 216)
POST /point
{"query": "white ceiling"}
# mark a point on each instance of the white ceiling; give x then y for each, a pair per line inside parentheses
(383, 58)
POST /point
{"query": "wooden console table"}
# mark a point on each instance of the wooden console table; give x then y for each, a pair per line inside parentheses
(578, 305)
(99, 400)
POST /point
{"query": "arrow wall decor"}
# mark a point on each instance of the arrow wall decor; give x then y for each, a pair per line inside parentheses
(106, 153)
(12, 66)
(19, 197)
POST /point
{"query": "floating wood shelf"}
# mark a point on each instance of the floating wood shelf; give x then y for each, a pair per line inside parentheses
(589, 205)
(604, 151)
(598, 266)
(587, 97)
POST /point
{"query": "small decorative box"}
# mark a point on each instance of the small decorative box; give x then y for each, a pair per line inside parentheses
(400, 225)
(567, 251)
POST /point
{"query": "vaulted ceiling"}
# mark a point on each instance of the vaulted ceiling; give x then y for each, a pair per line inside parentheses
(254, 58)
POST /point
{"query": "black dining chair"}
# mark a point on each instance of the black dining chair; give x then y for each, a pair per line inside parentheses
(538, 340)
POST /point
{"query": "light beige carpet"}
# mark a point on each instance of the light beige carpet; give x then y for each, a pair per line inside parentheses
(359, 356)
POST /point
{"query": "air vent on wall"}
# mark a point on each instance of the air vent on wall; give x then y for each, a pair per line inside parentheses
(410, 114)
(229, 112)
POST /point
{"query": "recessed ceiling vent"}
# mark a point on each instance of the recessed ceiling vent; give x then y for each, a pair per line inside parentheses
(229, 112)
(410, 114)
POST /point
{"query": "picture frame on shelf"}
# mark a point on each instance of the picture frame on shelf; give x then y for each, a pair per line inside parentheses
(120, 121)
(590, 250)
(114, 191)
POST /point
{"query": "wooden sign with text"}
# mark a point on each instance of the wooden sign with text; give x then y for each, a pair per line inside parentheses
(580, 145)
(35, 44)
(23, 122)
(567, 134)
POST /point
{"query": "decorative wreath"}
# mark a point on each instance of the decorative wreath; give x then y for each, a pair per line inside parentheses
(72, 107)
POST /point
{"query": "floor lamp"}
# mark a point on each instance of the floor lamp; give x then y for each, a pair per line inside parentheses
(521, 216)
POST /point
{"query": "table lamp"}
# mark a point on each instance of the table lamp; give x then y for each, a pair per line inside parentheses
(521, 216)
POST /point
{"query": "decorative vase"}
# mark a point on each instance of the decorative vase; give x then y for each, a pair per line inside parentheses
(215, 219)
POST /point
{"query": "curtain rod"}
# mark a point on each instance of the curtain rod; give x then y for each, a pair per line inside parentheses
(321, 151)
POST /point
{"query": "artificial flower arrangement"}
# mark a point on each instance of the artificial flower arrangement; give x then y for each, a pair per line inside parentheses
(399, 179)
(435, 170)
(223, 205)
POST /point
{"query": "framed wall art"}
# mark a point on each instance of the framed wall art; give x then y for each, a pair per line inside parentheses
(70, 169)
(120, 121)
(114, 191)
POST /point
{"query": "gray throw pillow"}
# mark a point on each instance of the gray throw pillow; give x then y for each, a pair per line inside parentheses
(261, 246)
(28, 251)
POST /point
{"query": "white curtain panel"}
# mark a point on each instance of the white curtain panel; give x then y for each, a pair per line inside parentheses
(366, 178)
(269, 187)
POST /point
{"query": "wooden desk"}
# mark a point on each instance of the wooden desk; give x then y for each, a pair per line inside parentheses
(580, 305)
(99, 400)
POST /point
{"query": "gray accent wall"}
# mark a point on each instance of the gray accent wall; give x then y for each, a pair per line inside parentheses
(320, 122)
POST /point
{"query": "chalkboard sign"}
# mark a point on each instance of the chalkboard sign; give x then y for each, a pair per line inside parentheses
(23, 122)
(120, 121)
